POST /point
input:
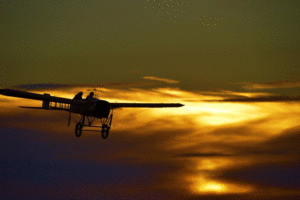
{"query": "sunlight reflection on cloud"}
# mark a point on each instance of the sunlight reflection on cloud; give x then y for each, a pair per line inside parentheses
(209, 136)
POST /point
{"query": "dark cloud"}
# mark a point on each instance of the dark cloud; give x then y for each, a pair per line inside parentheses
(285, 145)
(41, 86)
(210, 155)
(276, 175)
(48, 164)
(277, 162)
(56, 86)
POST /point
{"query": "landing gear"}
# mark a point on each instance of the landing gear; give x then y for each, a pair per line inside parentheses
(79, 126)
(78, 129)
(105, 131)
(105, 125)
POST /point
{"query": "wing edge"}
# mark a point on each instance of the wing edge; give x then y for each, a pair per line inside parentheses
(146, 105)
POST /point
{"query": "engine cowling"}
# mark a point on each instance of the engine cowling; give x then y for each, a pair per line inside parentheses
(102, 109)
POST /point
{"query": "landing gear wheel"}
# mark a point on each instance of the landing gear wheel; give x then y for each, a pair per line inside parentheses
(105, 131)
(78, 129)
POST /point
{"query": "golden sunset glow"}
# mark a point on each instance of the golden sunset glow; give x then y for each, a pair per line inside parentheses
(204, 122)
(200, 99)
(205, 186)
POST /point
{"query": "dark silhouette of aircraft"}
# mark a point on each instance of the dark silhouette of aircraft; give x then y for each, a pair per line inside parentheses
(89, 109)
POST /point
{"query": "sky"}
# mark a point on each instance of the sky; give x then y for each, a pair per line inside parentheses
(234, 64)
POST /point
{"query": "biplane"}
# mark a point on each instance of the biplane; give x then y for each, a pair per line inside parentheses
(89, 109)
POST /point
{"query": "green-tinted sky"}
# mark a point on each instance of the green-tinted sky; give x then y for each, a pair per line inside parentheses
(241, 149)
(207, 43)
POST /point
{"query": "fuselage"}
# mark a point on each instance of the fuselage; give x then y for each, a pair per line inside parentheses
(94, 107)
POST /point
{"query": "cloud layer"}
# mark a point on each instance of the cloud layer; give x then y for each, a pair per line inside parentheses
(211, 150)
(269, 85)
(160, 79)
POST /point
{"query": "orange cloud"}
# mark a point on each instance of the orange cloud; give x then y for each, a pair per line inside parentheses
(268, 85)
(160, 79)
(200, 148)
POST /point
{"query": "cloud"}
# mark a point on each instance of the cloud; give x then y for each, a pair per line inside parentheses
(261, 166)
(210, 155)
(50, 86)
(286, 143)
(72, 89)
(268, 85)
(41, 86)
(200, 150)
(274, 162)
(160, 79)
(271, 98)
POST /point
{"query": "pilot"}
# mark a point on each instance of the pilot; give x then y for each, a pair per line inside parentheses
(78, 96)
(90, 96)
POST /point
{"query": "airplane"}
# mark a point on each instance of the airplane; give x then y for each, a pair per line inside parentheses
(89, 109)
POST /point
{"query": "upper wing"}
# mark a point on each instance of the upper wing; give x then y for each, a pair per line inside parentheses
(145, 105)
(41, 97)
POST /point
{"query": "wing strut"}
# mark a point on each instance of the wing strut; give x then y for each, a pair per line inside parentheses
(69, 118)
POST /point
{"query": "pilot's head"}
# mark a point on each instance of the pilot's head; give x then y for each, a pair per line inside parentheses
(91, 94)
(80, 93)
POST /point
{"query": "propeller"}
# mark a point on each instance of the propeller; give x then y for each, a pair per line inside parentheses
(95, 90)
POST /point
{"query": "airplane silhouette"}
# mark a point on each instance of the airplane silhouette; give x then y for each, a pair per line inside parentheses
(89, 109)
